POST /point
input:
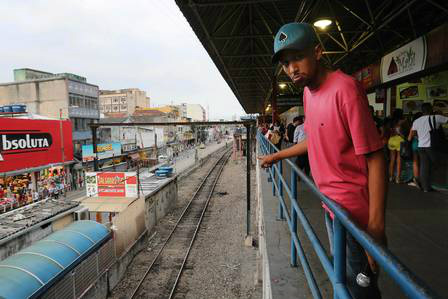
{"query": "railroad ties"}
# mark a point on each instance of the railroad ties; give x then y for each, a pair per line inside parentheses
(163, 274)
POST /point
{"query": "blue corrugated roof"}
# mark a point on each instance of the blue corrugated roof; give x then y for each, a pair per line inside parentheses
(33, 268)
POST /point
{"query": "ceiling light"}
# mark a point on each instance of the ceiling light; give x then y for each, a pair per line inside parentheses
(282, 85)
(322, 24)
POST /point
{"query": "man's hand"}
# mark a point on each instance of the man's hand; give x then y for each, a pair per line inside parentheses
(378, 234)
(266, 161)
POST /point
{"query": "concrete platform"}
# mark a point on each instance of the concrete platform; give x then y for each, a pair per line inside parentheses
(417, 226)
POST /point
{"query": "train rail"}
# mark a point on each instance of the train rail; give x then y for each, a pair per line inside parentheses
(161, 278)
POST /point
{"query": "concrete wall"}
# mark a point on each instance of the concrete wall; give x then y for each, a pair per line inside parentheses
(129, 225)
(160, 203)
(41, 97)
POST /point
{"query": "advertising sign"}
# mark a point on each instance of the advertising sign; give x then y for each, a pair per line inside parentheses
(29, 143)
(104, 151)
(404, 61)
(111, 184)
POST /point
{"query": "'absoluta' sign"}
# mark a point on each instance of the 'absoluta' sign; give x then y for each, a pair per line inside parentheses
(29, 143)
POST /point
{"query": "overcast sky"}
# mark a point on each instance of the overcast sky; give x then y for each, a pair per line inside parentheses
(146, 44)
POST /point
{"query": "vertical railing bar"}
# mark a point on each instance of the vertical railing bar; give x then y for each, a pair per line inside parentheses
(293, 217)
(339, 255)
(280, 189)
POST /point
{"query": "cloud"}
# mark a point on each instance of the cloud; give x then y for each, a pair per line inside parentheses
(115, 44)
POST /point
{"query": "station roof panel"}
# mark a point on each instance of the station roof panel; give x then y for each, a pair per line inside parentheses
(238, 36)
(32, 269)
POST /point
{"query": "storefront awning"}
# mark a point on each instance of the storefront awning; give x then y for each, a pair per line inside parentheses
(107, 204)
(34, 169)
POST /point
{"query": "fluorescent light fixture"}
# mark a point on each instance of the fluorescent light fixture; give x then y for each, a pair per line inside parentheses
(322, 24)
(282, 85)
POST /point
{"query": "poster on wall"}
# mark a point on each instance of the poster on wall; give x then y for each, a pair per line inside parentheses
(412, 106)
(409, 92)
(409, 59)
(91, 184)
(111, 184)
(104, 151)
(437, 92)
(440, 106)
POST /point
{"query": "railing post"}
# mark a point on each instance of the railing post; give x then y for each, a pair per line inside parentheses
(293, 216)
(339, 258)
(280, 190)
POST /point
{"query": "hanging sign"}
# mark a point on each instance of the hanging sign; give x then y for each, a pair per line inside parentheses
(409, 59)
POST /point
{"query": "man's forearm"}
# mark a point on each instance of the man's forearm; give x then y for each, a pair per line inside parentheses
(377, 192)
(293, 151)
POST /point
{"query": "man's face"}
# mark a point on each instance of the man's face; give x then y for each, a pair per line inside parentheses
(301, 66)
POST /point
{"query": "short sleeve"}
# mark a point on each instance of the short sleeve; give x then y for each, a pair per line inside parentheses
(414, 125)
(305, 123)
(441, 120)
(358, 119)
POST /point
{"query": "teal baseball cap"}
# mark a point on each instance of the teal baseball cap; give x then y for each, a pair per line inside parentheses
(293, 36)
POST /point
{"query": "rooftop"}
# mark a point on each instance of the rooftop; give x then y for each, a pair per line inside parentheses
(17, 220)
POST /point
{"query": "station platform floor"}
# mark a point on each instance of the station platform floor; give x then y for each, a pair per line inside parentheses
(417, 226)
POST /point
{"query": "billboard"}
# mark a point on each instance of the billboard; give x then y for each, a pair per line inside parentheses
(30, 143)
(111, 184)
(104, 151)
(404, 61)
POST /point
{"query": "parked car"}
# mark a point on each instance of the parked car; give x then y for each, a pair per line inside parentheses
(162, 159)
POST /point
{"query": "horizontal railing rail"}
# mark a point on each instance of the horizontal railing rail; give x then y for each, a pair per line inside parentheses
(335, 268)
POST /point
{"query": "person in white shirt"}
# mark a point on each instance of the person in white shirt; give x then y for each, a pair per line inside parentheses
(299, 136)
(428, 156)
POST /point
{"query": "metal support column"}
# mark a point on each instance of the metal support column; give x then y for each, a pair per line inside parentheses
(94, 141)
(248, 158)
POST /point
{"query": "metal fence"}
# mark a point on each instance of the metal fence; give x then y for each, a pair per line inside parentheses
(342, 224)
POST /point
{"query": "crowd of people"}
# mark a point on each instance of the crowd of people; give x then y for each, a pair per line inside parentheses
(406, 139)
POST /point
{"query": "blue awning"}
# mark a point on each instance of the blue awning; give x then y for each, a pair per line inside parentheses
(37, 267)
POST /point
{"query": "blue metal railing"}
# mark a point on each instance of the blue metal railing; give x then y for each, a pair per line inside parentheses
(342, 223)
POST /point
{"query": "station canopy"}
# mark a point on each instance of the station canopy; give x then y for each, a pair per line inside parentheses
(238, 36)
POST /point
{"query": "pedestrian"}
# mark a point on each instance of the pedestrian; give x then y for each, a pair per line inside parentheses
(289, 136)
(415, 182)
(299, 136)
(394, 146)
(428, 155)
(343, 144)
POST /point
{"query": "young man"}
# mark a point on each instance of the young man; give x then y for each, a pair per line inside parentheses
(343, 144)
(299, 136)
(428, 156)
(290, 130)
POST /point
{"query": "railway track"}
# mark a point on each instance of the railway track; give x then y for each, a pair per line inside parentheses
(163, 274)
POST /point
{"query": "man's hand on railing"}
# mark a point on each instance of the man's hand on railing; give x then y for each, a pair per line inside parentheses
(379, 236)
(266, 161)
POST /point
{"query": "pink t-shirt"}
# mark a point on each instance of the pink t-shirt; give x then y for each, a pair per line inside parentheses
(340, 130)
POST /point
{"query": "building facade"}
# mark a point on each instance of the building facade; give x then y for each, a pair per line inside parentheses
(60, 96)
(122, 102)
(193, 111)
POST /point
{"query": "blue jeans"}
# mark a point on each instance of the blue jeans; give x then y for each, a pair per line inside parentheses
(356, 263)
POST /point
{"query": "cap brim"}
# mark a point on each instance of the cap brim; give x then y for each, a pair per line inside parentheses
(276, 57)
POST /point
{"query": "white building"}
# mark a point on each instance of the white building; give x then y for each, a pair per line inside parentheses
(122, 102)
(193, 111)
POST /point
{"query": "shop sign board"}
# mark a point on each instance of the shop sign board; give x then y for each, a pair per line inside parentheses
(30, 143)
(409, 59)
(104, 151)
(111, 184)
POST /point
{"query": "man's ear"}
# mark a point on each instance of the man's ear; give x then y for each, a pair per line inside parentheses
(318, 52)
